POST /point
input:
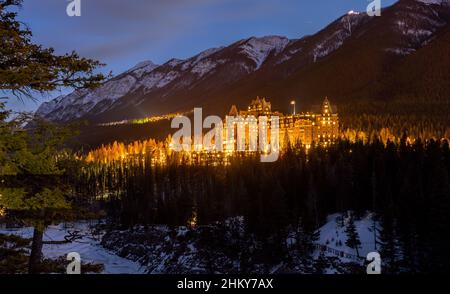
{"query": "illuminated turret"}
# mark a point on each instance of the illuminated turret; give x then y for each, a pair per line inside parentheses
(259, 107)
(233, 111)
(326, 107)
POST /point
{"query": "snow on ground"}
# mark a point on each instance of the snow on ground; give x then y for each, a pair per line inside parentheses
(88, 247)
(331, 242)
(333, 235)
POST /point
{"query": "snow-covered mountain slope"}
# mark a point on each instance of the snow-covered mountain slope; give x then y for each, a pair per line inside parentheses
(313, 48)
(349, 54)
(435, 2)
(142, 68)
(416, 24)
(80, 102)
(258, 49)
(147, 77)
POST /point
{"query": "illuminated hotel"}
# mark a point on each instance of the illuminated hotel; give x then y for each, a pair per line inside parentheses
(319, 126)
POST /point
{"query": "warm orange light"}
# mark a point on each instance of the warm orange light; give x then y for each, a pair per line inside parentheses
(158, 153)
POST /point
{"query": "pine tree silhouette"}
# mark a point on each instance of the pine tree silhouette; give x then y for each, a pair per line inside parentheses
(353, 240)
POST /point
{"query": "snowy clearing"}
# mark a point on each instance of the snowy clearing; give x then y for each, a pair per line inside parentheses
(88, 247)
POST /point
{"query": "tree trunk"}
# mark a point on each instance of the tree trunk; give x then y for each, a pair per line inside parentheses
(36, 250)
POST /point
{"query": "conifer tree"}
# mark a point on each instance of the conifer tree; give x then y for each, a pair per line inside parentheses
(30, 157)
(353, 240)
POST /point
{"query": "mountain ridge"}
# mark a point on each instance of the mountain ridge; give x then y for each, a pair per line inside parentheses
(355, 54)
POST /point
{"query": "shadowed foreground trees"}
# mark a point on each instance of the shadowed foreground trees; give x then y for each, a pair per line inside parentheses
(26, 67)
(29, 157)
(406, 185)
(31, 187)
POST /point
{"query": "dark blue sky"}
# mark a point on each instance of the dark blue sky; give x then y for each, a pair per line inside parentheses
(122, 33)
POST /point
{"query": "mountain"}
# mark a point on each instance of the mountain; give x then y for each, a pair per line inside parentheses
(81, 102)
(355, 57)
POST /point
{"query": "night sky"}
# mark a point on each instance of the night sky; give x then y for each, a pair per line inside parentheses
(122, 33)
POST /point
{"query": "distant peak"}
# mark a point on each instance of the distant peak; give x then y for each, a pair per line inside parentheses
(267, 39)
(142, 68)
(206, 53)
(352, 12)
(174, 62)
(146, 63)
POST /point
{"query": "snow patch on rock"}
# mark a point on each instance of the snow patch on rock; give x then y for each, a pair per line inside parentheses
(142, 68)
(435, 2)
(80, 102)
(258, 49)
(199, 57)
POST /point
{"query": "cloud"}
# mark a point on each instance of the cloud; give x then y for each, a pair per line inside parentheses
(116, 28)
(112, 28)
